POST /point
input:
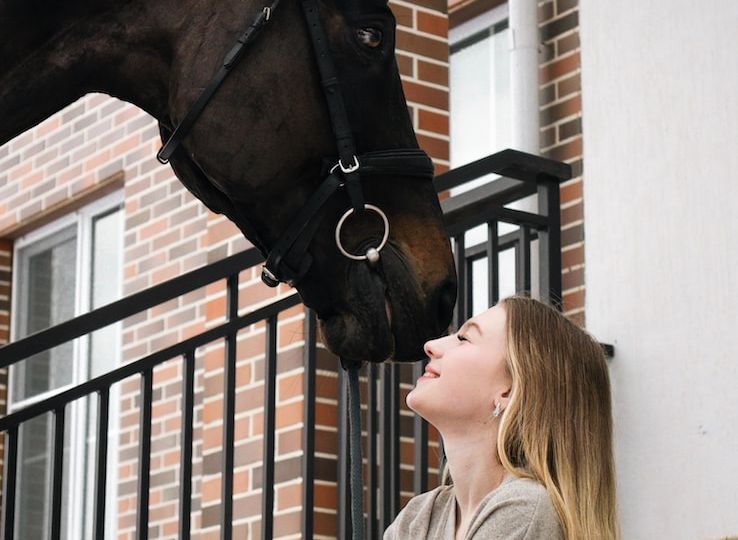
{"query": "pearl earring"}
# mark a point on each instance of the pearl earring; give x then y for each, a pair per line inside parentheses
(497, 411)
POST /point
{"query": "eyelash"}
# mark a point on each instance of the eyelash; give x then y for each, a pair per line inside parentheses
(461, 338)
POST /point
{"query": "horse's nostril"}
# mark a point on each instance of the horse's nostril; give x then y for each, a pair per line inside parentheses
(445, 302)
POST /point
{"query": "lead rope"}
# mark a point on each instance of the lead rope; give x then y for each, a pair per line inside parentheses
(355, 480)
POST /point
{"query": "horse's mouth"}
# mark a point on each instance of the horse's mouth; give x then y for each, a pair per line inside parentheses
(363, 332)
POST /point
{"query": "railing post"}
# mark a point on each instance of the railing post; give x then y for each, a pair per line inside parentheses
(308, 434)
(10, 473)
(549, 241)
(229, 412)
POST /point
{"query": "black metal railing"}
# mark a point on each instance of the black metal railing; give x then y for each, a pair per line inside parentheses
(524, 175)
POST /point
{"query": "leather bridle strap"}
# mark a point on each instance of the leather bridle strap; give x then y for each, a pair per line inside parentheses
(336, 107)
(230, 60)
(293, 243)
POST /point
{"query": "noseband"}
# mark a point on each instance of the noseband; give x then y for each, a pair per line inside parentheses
(345, 174)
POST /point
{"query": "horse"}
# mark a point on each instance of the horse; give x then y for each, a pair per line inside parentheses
(257, 152)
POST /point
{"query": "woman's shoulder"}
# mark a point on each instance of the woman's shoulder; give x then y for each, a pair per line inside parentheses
(423, 516)
(518, 508)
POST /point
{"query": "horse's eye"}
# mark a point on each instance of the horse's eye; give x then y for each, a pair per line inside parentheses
(371, 37)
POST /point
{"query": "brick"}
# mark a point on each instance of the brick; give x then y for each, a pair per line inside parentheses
(403, 15)
(433, 73)
(547, 94)
(566, 151)
(571, 191)
(568, 86)
(572, 235)
(572, 213)
(558, 26)
(573, 300)
(567, 43)
(545, 11)
(289, 415)
(570, 129)
(287, 524)
(426, 95)
(559, 68)
(559, 111)
(572, 257)
(432, 23)
(73, 112)
(435, 147)
(290, 441)
(422, 45)
(289, 387)
(437, 5)
(85, 121)
(288, 496)
(562, 6)
(405, 65)
(573, 278)
(548, 137)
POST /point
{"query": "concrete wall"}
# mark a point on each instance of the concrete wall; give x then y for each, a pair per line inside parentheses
(660, 110)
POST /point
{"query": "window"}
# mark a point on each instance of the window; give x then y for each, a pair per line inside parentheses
(479, 72)
(62, 270)
(481, 123)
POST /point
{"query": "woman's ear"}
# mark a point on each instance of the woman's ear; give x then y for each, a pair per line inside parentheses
(505, 398)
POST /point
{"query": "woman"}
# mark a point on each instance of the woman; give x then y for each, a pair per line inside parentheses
(521, 398)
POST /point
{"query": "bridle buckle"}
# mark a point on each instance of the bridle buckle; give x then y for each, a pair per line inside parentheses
(344, 169)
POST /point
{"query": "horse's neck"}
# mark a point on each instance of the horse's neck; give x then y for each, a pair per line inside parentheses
(118, 52)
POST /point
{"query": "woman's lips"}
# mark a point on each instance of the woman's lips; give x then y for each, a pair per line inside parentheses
(430, 373)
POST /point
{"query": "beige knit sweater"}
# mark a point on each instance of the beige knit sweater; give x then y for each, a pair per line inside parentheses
(518, 508)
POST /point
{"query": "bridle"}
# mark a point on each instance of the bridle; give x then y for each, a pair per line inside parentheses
(293, 244)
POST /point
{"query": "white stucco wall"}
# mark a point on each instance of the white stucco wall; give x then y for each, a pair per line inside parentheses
(660, 123)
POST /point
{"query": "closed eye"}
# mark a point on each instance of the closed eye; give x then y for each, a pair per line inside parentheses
(461, 338)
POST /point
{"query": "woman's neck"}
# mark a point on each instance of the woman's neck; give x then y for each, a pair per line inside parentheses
(474, 467)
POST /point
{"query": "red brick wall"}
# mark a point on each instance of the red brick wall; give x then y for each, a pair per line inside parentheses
(561, 136)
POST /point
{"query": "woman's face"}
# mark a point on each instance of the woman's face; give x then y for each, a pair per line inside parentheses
(466, 373)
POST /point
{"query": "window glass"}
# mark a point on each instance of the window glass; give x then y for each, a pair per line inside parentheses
(479, 95)
(47, 285)
(105, 287)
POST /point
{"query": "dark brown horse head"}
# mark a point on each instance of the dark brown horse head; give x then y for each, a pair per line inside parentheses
(259, 150)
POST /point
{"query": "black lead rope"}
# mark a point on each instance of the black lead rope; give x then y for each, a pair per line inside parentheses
(355, 480)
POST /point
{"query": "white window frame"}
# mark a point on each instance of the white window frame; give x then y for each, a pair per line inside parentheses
(484, 22)
(76, 412)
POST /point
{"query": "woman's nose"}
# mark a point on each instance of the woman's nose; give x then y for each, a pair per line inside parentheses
(431, 348)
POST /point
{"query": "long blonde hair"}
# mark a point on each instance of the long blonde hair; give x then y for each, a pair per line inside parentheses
(557, 426)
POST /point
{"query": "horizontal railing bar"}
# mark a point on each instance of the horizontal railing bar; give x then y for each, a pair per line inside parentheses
(462, 221)
(512, 163)
(117, 375)
(131, 305)
(500, 191)
(504, 242)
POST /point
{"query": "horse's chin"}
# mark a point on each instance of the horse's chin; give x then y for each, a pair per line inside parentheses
(349, 338)
(363, 332)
